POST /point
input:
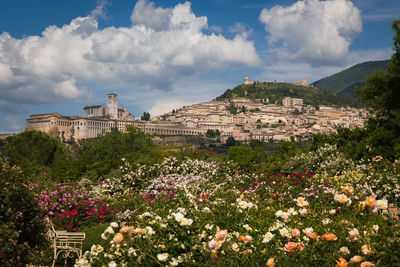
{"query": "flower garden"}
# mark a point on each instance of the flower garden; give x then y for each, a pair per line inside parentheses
(193, 212)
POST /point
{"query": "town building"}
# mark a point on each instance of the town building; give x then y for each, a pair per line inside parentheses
(293, 120)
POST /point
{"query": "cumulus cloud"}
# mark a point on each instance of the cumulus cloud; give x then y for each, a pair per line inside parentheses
(241, 28)
(166, 105)
(316, 32)
(161, 46)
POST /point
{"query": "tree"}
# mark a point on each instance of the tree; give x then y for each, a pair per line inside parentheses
(382, 93)
(146, 116)
(105, 152)
(34, 150)
(231, 141)
(242, 155)
(210, 133)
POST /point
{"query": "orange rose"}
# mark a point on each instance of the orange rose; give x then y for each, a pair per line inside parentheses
(293, 247)
(126, 230)
(139, 231)
(367, 264)
(370, 202)
(242, 238)
(329, 237)
(221, 235)
(296, 232)
(349, 190)
(245, 238)
(341, 263)
(271, 262)
(118, 238)
(313, 235)
(356, 259)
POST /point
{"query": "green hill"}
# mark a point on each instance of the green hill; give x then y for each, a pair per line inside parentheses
(343, 83)
(275, 92)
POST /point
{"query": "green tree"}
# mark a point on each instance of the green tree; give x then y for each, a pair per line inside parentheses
(382, 93)
(146, 116)
(242, 155)
(210, 133)
(105, 152)
(231, 141)
(35, 151)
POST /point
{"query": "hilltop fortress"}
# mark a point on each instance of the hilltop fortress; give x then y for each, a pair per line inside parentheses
(303, 81)
(240, 118)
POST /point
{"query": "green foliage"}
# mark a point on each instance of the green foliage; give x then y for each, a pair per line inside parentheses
(231, 141)
(105, 152)
(146, 116)
(382, 93)
(37, 152)
(35, 147)
(232, 108)
(210, 133)
(344, 82)
(242, 155)
(22, 231)
(275, 92)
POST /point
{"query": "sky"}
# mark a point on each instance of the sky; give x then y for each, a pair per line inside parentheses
(59, 56)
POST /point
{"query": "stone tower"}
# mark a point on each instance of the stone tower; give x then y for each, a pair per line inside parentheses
(112, 105)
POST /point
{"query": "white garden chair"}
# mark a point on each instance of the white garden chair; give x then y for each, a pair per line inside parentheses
(65, 243)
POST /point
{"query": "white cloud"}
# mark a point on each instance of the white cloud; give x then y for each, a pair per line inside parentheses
(99, 10)
(12, 124)
(288, 71)
(166, 105)
(316, 32)
(162, 45)
(241, 28)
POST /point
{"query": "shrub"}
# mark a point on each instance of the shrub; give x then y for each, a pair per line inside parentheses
(22, 230)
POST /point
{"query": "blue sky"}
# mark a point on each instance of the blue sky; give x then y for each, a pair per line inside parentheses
(58, 56)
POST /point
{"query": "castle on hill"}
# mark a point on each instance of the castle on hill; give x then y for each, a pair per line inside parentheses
(303, 81)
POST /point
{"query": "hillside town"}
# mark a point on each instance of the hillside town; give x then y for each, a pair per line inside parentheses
(240, 118)
(259, 120)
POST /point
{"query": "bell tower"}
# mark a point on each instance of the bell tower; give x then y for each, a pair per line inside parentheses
(112, 105)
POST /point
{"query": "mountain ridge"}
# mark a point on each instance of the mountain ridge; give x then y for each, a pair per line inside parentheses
(343, 83)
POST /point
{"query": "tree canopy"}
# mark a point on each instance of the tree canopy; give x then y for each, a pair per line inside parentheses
(382, 94)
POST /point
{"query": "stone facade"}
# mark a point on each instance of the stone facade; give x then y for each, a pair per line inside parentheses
(261, 121)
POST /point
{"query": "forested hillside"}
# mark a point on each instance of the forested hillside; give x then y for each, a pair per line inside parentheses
(275, 92)
(344, 82)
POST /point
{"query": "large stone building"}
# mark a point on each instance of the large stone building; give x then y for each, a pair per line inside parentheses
(258, 120)
(98, 119)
